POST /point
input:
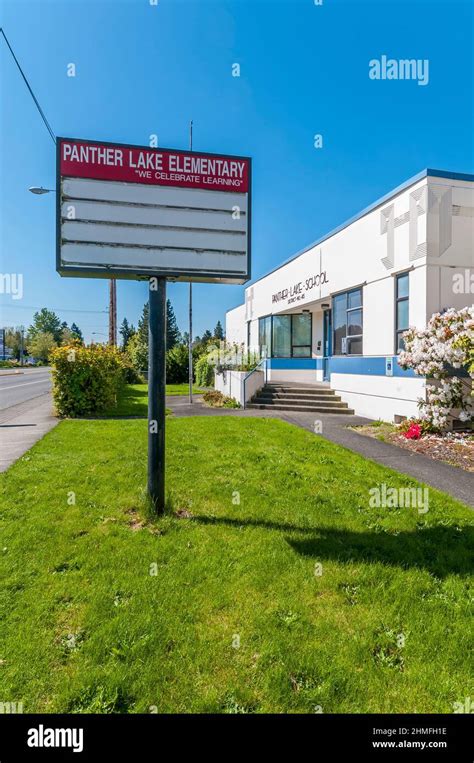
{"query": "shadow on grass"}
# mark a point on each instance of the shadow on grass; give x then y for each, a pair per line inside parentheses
(439, 550)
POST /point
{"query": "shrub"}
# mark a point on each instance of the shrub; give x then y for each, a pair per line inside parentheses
(415, 427)
(204, 372)
(446, 344)
(177, 364)
(130, 374)
(216, 399)
(137, 352)
(86, 380)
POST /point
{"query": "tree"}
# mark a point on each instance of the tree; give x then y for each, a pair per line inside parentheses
(66, 336)
(126, 331)
(177, 364)
(137, 345)
(173, 336)
(46, 322)
(77, 333)
(219, 331)
(143, 324)
(206, 337)
(13, 341)
(41, 345)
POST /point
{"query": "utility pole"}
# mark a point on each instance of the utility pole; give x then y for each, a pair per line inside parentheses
(113, 312)
(22, 332)
(190, 344)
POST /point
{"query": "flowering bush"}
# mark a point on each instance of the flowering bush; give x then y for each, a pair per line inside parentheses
(413, 432)
(443, 346)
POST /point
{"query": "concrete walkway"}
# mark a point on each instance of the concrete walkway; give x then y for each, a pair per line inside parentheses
(22, 425)
(449, 479)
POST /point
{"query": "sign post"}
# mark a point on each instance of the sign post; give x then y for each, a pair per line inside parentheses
(137, 212)
(156, 392)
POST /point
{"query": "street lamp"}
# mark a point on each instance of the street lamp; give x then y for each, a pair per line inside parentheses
(39, 190)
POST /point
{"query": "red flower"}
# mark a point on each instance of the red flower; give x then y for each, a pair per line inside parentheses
(414, 432)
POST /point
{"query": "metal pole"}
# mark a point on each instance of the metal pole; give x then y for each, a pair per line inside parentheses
(113, 312)
(190, 343)
(156, 392)
(22, 331)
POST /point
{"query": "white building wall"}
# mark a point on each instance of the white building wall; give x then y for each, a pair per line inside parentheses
(236, 326)
(379, 397)
(426, 229)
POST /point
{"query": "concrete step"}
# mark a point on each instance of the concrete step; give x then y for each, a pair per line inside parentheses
(303, 390)
(299, 408)
(271, 395)
(310, 402)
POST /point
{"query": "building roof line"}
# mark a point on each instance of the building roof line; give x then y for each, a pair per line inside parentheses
(382, 200)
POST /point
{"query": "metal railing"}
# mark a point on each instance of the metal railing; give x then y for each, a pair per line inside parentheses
(257, 368)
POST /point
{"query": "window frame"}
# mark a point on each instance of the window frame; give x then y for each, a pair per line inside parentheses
(348, 338)
(397, 300)
(292, 346)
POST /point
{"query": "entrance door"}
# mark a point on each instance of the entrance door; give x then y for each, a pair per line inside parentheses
(327, 343)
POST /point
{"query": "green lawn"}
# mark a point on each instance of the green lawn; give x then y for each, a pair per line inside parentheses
(133, 400)
(85, 627)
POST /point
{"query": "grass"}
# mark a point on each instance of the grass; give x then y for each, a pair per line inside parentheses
(276, 589)
(133, 400)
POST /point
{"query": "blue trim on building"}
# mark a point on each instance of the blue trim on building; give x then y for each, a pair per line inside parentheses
(295, 364)
(366, 366)
(344, 364)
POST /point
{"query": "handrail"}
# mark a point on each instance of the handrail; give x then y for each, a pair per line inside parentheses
(263, 360)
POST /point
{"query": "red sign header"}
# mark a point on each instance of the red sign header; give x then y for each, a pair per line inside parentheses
(153, 166)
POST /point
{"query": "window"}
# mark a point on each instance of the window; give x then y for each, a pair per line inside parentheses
(285, 336)
(281, 336)
(265, 336)
(348, 323)
(402, 296)
(301, 335)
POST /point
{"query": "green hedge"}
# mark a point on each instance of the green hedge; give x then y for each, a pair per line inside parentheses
(204, 372)
(86, 380)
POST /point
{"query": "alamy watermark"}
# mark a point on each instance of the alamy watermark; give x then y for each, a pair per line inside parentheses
(417, 69)
(382, 496)
(12, 283)
(463, 283)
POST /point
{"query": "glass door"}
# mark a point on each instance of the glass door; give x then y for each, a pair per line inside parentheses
(327, 343)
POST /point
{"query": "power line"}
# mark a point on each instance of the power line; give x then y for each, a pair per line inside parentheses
(42, 114)
(55, 309)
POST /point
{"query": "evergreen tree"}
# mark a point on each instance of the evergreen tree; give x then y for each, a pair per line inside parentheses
(219, 331)
(173, 336)
(143, 324)
(126, 331)
(76, 332)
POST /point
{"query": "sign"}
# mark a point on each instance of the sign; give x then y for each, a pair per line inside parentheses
(137, 212)
(297, 292)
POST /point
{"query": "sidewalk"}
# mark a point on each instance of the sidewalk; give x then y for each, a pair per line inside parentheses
(22, 425)
(449, 479)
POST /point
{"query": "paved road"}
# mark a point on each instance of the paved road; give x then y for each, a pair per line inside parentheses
(16, 388)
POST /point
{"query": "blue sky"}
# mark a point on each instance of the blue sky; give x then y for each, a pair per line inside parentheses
(144, 69)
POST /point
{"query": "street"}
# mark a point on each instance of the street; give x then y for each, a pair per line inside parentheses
(18, 387)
